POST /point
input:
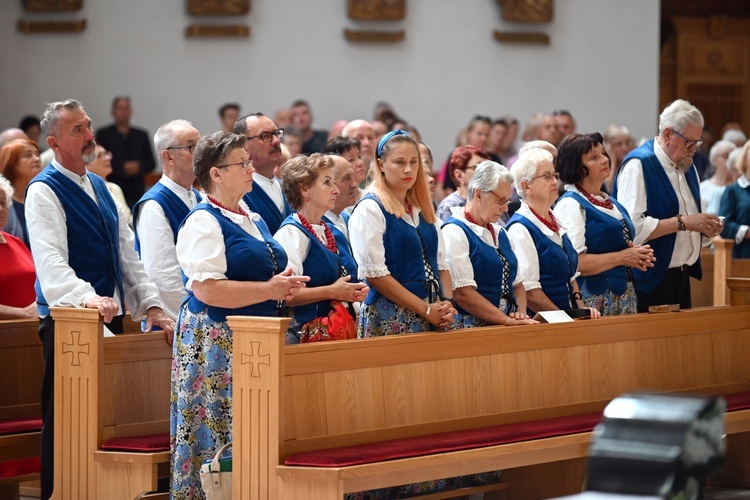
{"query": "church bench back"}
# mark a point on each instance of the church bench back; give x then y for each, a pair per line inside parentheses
(317, 396)
(21, 369)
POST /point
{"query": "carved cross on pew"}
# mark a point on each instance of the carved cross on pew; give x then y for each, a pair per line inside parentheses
(253, 362)
(75, 348)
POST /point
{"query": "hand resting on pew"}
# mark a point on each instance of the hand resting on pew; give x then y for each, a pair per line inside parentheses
(156, 316)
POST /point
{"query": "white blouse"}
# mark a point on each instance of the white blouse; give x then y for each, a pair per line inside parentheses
(457, 249)
(200, 243)
(296, 243)
(523, 243)
(572, 216)
(366, 229)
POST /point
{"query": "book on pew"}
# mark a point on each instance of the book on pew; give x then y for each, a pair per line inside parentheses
(563, 316)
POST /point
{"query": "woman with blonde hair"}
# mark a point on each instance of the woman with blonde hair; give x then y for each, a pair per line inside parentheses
(398, 246)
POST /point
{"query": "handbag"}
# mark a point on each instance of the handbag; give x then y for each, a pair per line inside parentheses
(338, 325)
(216, 476)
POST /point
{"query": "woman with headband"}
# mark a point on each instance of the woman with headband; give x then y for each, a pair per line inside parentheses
(398, 246)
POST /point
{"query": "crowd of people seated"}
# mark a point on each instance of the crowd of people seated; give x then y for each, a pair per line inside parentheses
(343, 233)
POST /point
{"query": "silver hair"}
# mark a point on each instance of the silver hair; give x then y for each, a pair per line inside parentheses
(732, 160)
(8, 188)
(720, 147)
(166, 135)
(540, 144)
(51, 116)
(679, 115)
(736, 137)
(487, 176)
(526, 166)
(615, 130)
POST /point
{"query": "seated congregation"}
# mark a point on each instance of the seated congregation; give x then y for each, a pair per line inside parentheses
(335, 257)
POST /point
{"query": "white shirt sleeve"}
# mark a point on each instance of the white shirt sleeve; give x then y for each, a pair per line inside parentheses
(457, 256)
(200, 248)
(528, 258)
(631, 193)
(296, 244)
(159, 256)
(441, 258)
(572, 217)
(366, 229)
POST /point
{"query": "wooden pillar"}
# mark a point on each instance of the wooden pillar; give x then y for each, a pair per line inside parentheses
(722, 270)
(78, 369)
(258, 365)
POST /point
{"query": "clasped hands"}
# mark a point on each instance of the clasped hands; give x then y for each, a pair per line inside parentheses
(441, 314)
(349, 292)
(708, 224)
(640, 257)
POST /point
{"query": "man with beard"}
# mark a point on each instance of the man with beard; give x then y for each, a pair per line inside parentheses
(658, 185)
(263, 146)
(82, 248)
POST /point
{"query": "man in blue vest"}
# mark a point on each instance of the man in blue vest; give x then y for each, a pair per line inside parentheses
(158, 214)
(264, 149)
(659, 186)
(82, 248)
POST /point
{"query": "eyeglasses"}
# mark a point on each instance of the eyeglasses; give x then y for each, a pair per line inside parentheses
(547, 176)
(244, 164)
(267, 136)
(689, 143)
(500, 201)
(190, 148)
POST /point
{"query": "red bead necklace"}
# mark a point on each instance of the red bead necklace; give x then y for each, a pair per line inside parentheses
(551, 223)
(239, 210)
(473, 221)
(604, 204)
(330, 240)
(409, 207)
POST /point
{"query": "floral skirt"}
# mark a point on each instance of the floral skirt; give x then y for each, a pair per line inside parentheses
(383, 317)
(609, 304)
(201, 399)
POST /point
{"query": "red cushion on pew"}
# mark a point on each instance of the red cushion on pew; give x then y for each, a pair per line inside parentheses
(739, 401)
(20, 467)
(445, 442)
(149, 443)
(20, 425)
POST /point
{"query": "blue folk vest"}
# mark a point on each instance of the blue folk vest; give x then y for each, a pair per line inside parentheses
(248, 259)
(661, 203)
(403, 253)
(345, 251)
(174, 209)
(262, 204)
(557, 266)
(604, 234)
(322, 266)
(488, 266)
(92, 234)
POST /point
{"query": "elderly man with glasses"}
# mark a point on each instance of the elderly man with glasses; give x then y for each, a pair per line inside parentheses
(263, 146)
(658, 185)
(158, 214)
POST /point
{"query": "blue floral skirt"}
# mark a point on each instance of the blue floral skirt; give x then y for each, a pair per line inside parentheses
(201, 399)
(383, 317)
(609, 304)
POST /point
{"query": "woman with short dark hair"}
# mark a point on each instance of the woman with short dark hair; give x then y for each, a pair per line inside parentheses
(599, 227)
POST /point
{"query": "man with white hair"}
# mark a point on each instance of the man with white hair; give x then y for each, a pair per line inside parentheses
(658, 185)
(83, 251)
(365, 134)
(158, 214)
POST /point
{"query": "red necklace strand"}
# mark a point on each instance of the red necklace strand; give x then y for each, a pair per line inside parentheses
(330, 240)
(409, 208)
(551, 223)
(473, 221)
(604, 204)
(239, 210)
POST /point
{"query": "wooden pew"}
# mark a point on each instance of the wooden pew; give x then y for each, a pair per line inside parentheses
(107, 388)
(21, 371)
(318, 396)
(725, 267)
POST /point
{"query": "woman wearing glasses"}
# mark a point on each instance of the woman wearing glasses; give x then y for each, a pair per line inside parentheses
(217, 240)
(461, 167)
(484, 270)
(599, 227)
(398, 246)
(310, 187)
(546, 258)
